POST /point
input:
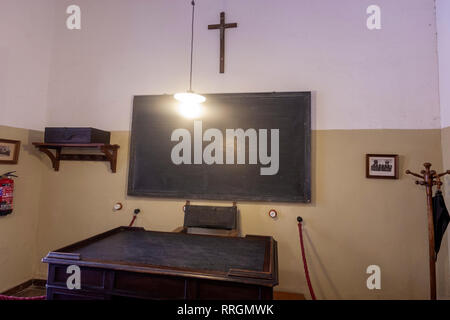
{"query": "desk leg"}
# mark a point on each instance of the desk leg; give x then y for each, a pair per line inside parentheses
(266, 293)
(190, 289)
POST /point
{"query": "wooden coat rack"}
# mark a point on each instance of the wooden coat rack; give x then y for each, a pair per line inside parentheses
(430, 178)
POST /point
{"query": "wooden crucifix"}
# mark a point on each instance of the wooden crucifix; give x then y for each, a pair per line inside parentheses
(222, 26)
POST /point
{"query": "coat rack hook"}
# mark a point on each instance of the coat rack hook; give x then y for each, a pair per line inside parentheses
(444, 173)
(414, 174)
(438, 182)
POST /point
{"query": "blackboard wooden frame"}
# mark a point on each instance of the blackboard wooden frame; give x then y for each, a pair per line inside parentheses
(304, 196)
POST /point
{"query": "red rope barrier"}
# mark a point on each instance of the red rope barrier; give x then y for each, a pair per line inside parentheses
(132, 221)
(7, 298)
(136, 212)
(305, 265)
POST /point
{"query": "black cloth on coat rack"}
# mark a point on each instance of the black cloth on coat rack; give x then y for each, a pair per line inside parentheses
(441, 219)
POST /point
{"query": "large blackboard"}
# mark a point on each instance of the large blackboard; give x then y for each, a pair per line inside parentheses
(153, 172)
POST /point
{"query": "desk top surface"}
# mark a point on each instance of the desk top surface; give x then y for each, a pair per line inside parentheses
(174, 250)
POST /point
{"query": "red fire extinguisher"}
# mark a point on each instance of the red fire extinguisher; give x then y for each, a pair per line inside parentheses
(6, 193)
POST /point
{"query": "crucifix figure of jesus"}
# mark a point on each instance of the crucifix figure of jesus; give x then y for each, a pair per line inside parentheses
(222, 26)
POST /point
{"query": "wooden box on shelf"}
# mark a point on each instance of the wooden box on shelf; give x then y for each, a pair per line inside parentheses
(76, 135)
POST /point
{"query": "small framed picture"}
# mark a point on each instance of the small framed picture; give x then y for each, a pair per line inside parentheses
(382, 166)
(9, 151)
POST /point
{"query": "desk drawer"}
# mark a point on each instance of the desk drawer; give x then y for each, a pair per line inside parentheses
(90, 278)
(61, 294)
(218, 290)
(150, 286)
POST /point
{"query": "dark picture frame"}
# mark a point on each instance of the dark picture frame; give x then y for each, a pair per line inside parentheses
(9, 151)
(382, 166)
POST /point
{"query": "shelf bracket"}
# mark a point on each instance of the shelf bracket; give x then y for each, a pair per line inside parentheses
(53, 158)
(111, 154)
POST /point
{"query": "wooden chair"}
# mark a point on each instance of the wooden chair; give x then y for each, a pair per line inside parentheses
(210, 220)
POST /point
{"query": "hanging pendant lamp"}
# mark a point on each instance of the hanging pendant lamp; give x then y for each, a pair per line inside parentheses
(190, 102)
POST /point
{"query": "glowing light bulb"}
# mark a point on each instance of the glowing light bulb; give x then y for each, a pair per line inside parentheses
(190, 110)
(190, 104)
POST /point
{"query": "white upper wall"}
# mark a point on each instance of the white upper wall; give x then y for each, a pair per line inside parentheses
(362, 79)
(26, 31)
(443, 28)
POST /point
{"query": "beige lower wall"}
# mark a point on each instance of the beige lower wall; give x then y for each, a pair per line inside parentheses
(352, 223)
(18, 231)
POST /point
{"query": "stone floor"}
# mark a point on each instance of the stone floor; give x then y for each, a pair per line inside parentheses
(287, 296)
(32, 288)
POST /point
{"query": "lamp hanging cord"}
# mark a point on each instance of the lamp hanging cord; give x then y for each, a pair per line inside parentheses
(305, 265)
(192, 44)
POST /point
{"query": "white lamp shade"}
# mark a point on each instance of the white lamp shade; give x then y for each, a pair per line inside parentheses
(189, 98)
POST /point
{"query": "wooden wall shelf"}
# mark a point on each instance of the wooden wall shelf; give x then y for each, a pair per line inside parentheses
(109, 153)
